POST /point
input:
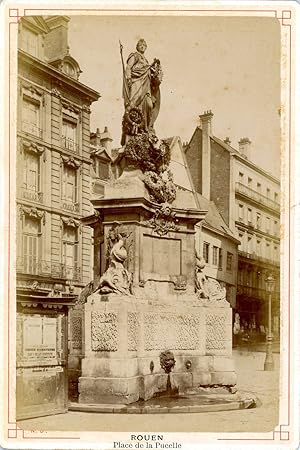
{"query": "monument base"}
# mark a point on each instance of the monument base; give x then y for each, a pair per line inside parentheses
(125, 336)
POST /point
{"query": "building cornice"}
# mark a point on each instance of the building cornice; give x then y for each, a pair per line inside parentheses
(258, 169)
(59, 76)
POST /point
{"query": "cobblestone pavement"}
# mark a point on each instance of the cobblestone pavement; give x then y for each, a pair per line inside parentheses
(251, 378)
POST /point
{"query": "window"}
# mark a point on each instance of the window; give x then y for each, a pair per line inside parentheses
(206, 251)
(249, 182)
(258, 187)
(241, 235)
(275, 197)
(249, 215)
(70, 252)
(103, 170)
(276, 231)
(268, 251)
(31, 117)
(241, 177)
(268, 224)
(220, 264)
(258, 220)
(215, 256)
(258, 247)
(69, 186)
(31, 245)
(31, 172)
(69, 134)
(249, 244)
(276, 255)
(268, 192)
(241, 212)
(30, 42)
(229, 261)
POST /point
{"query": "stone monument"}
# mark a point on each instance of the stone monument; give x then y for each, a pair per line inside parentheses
(150, 303)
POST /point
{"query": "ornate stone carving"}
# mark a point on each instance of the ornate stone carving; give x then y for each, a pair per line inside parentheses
(32, 212)
(167, 361)
(86, 108)
(32, 147)
(176, 331)
(215, 332)
(164, 220)
(70, 162)
(160, 186)
(132, 331)
(76, 332)
(56, 93)
(104, 331)
(70, 107)
(70, 222)
(208, 289)
(116, 279)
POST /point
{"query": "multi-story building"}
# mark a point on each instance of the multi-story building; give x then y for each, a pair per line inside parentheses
(247, 198)
(53, 191)
(53, 158)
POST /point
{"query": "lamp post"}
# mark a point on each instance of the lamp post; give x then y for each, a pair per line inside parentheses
(269, 362)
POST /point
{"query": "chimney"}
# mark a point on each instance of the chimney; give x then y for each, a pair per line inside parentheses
(96, 138)
(227, 141)
(56, 41)
(245, 147)
(106, 139)
(205, 124)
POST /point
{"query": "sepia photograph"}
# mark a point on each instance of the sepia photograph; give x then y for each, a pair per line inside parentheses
(151, 246)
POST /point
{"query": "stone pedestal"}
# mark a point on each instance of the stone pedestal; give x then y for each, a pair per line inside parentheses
(125, 334)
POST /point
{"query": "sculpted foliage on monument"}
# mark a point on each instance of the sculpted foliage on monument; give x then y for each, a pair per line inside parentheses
(164, 220)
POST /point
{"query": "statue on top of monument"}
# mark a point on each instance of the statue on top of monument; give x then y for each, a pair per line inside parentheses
(141, 92)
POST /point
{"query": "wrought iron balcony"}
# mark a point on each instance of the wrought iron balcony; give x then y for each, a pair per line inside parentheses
(70, 144)
(254, 257)
(72, 207)
(33, 266)
(31, 128)
(32, 195)
(256, 196)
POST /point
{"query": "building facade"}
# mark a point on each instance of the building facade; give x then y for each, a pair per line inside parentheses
(53, 189)
(247, 198)
(53, 158)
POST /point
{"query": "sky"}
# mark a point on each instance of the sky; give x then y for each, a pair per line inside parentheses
(229, 65)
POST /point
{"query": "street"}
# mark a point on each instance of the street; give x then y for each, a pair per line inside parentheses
(251, 378)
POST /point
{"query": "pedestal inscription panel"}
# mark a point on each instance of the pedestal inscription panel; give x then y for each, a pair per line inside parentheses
(173, 331)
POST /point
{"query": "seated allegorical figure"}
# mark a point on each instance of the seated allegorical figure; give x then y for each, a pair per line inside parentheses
(207, 288)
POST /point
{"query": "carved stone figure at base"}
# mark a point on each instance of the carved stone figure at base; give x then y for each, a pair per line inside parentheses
(207, 288)
(116, 279)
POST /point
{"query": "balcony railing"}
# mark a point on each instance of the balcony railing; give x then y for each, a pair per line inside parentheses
(256, 196)
(32, 195)
(70, 144)
(72, 207)
(31, 128)
(255, 292)
(33, 266)
(254, 256)
(250, 291)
